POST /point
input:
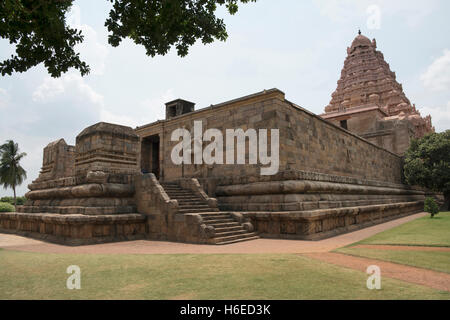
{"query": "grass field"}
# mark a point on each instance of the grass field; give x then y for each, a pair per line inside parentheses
(43, 276)
(438, 261)
(421, 232)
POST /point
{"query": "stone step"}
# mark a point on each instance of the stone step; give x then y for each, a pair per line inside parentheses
(186, 196)
(230, 233)
(221, 240)
(208, 215)
(218, 220)
(182, 195)
(225, 229)
(192, 203)
(187, 206)
(224, 224)
(195, 210)
(217, 216)
(237, 240)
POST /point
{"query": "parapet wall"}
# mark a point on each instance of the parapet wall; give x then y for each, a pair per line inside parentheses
(313, 144)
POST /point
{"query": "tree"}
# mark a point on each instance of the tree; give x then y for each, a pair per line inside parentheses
(427, 163)
(11, 172)
(39, 31)
(431, 206)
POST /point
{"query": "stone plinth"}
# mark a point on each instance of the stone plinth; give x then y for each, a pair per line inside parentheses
(325, 223)
(84, 193)
(75, 229)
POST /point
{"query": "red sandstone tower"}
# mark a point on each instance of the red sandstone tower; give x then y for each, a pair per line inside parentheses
(371, 103)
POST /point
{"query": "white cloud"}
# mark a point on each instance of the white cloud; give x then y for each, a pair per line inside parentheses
(440, 116)
(110, 117)
(147, 111)
(70, 83)
(62, 107)
(93, 51)
(437, 76)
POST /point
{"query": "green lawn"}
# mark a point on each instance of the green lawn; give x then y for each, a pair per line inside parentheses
(43, 276)
(421, 232)
(439, 261)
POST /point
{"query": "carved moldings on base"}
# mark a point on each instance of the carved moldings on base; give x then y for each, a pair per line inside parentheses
(75, 229)
(322, 224)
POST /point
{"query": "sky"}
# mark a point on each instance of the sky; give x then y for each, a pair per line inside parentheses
(296, 46)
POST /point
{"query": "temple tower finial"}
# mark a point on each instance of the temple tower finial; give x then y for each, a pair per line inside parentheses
(359, 31)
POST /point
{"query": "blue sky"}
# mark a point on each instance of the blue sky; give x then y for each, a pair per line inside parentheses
(296, 46)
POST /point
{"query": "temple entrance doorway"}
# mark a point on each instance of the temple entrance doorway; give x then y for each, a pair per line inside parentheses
(150, 155)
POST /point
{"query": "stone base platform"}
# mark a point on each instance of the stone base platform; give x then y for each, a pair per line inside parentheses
(75, 229)
(326, 223)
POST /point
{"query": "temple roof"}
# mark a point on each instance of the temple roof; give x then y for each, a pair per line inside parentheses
(361, 41)
(366, 79)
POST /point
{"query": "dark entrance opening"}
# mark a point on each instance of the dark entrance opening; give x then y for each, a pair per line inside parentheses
(344, 124)
(150, 155)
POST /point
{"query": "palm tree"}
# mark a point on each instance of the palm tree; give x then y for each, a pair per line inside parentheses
(11, 173)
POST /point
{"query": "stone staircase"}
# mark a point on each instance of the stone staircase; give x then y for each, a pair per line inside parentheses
(188, 201)
(226, 229)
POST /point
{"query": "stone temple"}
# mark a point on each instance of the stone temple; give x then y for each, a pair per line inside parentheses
(336, 173)
(371, 103)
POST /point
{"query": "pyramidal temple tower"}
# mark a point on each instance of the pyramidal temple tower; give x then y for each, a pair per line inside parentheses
(371, 103)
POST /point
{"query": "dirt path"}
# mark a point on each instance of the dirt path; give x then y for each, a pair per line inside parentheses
(401, 248)
(14, 242)
(429, 278)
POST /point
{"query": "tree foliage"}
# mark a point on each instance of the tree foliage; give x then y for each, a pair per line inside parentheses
(6, 207)
(20, 200)
(431, 206)
(427, 163)
(11, 172)
(160, 24)
(39, 31)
